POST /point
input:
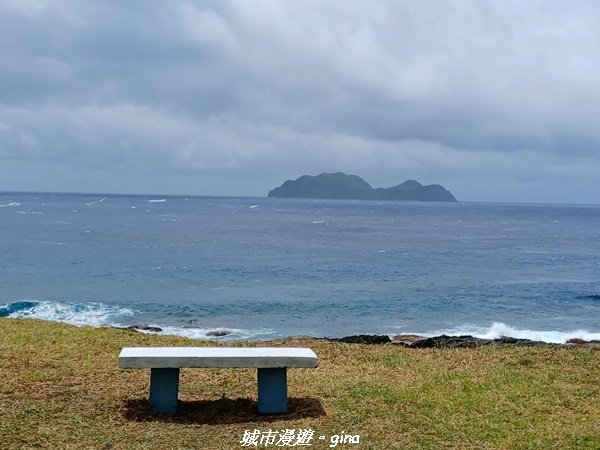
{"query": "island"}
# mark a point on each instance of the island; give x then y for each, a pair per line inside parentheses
(342, 186)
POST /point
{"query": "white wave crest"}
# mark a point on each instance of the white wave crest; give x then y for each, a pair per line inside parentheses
(158, 200)
(92, 314)
(498, 329)
(10, 204)
(205, 333)
(97, 314)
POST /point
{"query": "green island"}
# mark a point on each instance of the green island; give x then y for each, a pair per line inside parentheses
(61, 388)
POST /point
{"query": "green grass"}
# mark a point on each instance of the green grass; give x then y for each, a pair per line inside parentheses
(60, 388)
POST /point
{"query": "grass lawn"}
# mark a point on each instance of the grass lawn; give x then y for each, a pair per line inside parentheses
(60, 388)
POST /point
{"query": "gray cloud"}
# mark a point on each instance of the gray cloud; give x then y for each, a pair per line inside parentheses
(497, 100)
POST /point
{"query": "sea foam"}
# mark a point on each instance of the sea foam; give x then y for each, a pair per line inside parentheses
(205, 333)
(102, 314)
(498, 329)
(93, 313)
(97, 314)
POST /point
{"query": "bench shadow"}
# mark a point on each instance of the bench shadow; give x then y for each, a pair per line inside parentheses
(222, 411)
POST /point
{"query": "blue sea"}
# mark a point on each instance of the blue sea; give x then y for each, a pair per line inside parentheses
(263, 268)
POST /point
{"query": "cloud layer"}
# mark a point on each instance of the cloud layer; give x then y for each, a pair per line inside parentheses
(497, 100)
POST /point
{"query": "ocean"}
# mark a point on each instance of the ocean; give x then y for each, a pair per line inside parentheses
(263, 268)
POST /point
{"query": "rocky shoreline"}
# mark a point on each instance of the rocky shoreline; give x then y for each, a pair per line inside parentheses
(413, 340)
(465, 341)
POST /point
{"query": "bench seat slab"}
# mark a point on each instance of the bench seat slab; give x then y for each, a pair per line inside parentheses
(216, 357)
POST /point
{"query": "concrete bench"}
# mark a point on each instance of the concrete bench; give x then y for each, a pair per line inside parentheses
(164, 364)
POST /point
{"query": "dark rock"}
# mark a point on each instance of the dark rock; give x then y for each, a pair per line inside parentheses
(363, 339)
(218, 333)
(472, 342)
(444, 341)
(406, 339)
(342, 186)
(144, 328)
(505, 340)
(576, 342)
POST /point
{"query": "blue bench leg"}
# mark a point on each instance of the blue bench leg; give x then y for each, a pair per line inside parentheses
(164, 384)
(272, 391)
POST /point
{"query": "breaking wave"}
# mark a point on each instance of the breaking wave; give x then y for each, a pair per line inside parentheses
(498, 329)
(227, 333)
(93, 313)
(98, 314)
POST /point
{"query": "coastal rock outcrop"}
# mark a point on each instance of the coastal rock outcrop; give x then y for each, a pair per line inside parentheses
(218, 333)
(363, 339)
(576, 342)
(406, 339)
(444, 341)
(342, 186)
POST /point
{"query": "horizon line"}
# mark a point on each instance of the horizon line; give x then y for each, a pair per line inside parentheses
(3, 192)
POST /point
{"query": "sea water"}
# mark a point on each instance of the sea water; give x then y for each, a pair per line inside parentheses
(263, 268)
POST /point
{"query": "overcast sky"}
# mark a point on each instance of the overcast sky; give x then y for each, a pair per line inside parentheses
(495, 100)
